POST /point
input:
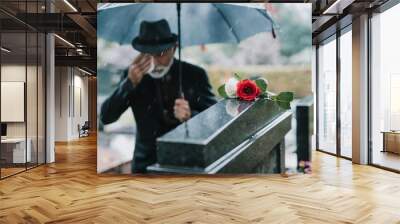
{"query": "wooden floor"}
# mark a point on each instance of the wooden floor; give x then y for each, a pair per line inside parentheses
(70, 191)
(387, 159)
(10, 171)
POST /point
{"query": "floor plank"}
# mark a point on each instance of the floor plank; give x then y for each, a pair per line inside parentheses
(70, 191)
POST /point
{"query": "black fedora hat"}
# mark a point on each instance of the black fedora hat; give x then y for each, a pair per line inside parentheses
(154, 37)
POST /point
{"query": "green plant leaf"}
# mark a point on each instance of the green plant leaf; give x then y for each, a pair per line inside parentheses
(262, 85)
(285, 97)
(238, 77)
(284, 104)
(221, 91)
(264, 95)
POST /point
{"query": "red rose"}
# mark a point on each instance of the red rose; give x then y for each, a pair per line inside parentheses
(247, 90)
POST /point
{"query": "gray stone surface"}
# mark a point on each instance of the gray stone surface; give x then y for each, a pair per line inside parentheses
(230, 137)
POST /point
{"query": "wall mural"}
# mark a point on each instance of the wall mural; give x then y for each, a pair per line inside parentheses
(194, 88)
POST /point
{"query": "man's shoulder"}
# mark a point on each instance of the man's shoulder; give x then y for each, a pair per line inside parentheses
(193, 68)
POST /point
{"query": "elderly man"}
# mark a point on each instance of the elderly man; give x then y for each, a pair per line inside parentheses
(150, 87)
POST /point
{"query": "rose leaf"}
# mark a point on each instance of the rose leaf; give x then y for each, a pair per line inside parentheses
(284, 104)
(221, 91)
(238, 77)
(262, 85)
(285, 97)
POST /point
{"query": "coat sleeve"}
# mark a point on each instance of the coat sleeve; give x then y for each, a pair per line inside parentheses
(118, 102)
(205, 96)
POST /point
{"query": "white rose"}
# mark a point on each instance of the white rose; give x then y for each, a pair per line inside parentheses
(230, 87)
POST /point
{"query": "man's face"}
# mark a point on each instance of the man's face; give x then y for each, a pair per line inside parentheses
(163, 58)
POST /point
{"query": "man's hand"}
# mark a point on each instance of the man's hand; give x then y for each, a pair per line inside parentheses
(182, 110)
(138, 68)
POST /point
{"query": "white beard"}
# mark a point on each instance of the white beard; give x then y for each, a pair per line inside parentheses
(159, 71)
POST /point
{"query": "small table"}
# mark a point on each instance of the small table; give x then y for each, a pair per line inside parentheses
(391, 141)
(13, 150)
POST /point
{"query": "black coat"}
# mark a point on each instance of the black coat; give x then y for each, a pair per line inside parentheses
(152, 102)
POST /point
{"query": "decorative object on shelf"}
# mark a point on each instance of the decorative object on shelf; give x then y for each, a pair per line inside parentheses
(251, 89)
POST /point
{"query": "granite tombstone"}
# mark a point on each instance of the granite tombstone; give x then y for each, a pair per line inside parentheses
(232, 136)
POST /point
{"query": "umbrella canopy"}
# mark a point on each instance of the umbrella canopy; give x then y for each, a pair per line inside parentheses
(201, 23)
(195, 23)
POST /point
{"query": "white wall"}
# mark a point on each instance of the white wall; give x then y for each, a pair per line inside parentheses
(61, 103)
(12, 73)
(33, 126)
(17, 73)
(80, 100)
(71, 94)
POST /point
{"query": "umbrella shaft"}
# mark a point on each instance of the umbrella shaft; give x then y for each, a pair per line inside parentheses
(178, 8)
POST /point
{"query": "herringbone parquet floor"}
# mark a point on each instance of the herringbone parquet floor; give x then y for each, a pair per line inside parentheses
(70, 191)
